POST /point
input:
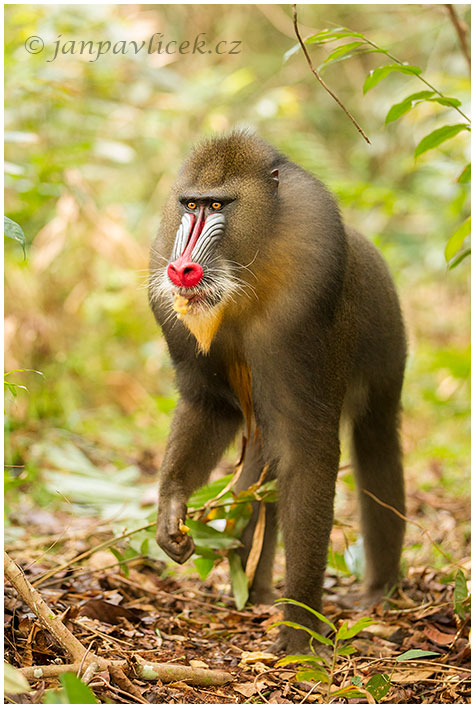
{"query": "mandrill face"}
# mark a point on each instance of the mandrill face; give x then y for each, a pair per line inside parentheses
(212, 233)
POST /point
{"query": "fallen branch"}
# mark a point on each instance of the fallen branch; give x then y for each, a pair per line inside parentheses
(45, 615)
(180, 673)
(146, 670)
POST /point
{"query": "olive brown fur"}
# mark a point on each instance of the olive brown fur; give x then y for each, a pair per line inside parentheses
(294, 326)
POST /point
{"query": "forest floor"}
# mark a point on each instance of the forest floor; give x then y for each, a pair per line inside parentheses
(172, 616)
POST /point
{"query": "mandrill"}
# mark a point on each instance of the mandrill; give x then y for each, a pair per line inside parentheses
(280, 318)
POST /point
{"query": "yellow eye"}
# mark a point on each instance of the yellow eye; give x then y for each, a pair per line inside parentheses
(191, 205)
(216, 205)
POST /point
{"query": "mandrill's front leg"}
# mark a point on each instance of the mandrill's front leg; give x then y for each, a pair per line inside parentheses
(200, 433)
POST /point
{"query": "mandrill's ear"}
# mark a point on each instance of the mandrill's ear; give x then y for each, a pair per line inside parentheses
(275, 176)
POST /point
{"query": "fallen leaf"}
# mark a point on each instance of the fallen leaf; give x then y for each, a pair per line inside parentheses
(248, 689)
(411, 676)
(107, 612)
(437, 636)
(250, 658)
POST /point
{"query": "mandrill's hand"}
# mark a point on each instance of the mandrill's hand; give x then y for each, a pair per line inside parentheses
(177, 544)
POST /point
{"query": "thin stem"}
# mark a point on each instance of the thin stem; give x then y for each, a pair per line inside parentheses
(421, 78)
(319, 78)
(461, 30)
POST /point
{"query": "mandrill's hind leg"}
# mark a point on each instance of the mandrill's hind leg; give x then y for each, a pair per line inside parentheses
(261, 590)
(378, 469)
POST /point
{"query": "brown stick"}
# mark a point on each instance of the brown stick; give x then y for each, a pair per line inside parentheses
(461, 30)
(46, 616)
(319, 78)
(180, 673)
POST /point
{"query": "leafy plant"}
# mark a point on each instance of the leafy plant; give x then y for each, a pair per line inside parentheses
(461, 595)
(318, 668)
(363, 45)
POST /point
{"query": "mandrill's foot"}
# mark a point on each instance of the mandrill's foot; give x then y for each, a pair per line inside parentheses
(363, 600)
(263, 596)
(170, 537)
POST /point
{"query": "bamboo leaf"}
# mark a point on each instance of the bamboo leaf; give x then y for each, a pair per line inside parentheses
(466, 174)
(456, 240)
(399, 109)
(239, 581)
(375, 75)
(439, 136)
(415, 655)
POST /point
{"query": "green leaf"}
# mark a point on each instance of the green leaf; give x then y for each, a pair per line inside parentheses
(14, 682)
(446, 101)
(345, 632)
(289, 659)
(458, 259)
(209, 492)
(312, 675)
(375, 75)
(349, 692)
(340, 52)
(378, 686)
(346, 650)
(460, 593)
(456, 240)
(15, 232)
(76, 691)
(320, 616)
(207, 536)
(415, 655)
(466, 174)
(120, 558)
(399, 109)
(239, 582)
(329, 35)
(355, 558)
(439, 136)
(203, 566)
(321, 638)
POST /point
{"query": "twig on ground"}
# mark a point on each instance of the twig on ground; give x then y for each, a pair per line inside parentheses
(323, 83)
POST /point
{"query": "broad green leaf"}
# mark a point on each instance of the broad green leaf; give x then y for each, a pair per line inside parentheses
(456, 240)
(203, 566)
(439, 136)
(14, 231)
(466, 174)
(375, 75)
(14, 682)
(206, 536)
(209, 492)
(312, 675)
(321, 638)
(239, 580)
(76, 691)
(329, 35)
(345, 632)
(460, 593)
(378, 686)
(289, 659)
(399, 109)
(320, 616)
(415, 655)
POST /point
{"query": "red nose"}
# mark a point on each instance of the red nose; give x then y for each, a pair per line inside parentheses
(185, 274)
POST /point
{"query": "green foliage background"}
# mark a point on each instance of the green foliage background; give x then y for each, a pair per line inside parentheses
(92, 148)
